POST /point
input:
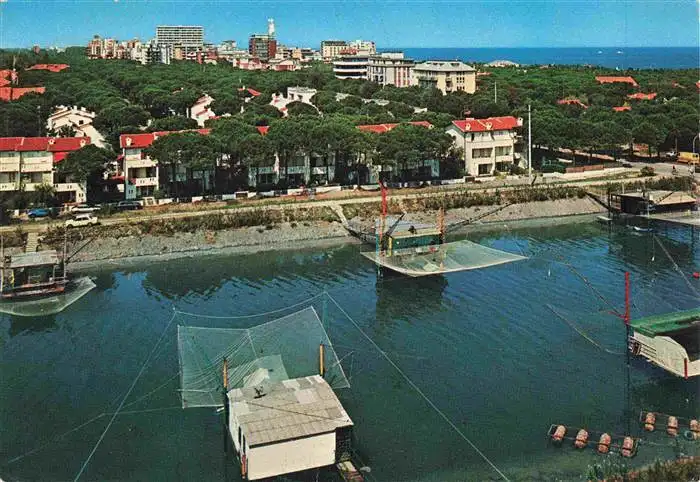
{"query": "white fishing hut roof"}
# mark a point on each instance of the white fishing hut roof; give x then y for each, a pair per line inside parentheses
(287, 410)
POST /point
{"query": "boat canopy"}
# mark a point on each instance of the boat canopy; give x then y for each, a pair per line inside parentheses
(33, 259)
(667, 323)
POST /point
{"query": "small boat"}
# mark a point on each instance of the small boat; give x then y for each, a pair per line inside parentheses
(639, 229)
(619, 52)
(604, 219)
(600, 51)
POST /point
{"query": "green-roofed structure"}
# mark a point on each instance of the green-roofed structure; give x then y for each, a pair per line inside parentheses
(669, 340)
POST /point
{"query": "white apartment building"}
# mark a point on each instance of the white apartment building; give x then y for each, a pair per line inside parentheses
(446, 76)
(331, 49)
(79, 119)
(363, 46)
(488, 145)
(28, 162)
(352, 66)
(185, 35)
(141, 173)
(390, 68)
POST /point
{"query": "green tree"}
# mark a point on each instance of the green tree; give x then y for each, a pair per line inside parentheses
(189, 152)
(86, 165)
(172, 123)
(297, 109)
(647, 133)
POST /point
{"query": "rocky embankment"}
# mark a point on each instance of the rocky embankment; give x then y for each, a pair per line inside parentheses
(136, 244)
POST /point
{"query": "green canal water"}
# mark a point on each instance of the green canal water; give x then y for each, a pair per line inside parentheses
(483, 345)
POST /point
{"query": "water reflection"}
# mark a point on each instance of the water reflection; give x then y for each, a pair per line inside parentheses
(405, 298)
(32, 324)
(205, 275)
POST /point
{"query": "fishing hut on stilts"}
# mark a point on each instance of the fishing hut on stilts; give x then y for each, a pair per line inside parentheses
(275, 387)
(415, 249)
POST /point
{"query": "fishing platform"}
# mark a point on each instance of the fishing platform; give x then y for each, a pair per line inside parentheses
(670, 341)
(276, 393)
(36, 283)
(289, 426)
(416, 249)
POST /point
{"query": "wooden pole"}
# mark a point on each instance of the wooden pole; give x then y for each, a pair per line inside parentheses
(321, 367)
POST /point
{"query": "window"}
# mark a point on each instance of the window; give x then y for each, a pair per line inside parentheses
(503, 151)
(481, 153)
(484, 169)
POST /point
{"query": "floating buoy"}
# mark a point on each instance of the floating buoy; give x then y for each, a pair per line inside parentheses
(604, 443)
(581, 439)
(559, 433)
(672, 426)
(649, 422)
(627, 447)
(696, 275)
(695, 428)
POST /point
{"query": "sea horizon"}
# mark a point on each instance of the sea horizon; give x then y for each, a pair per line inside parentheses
(621, 58)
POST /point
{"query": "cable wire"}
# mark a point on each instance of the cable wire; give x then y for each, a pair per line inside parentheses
(114, 416)
(418, 390)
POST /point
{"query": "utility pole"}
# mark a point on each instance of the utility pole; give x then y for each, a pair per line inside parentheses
(529, 142)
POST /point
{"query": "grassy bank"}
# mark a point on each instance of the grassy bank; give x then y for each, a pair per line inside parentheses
(682, 470)
(466, 199)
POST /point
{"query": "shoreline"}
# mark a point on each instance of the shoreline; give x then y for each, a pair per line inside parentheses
(128, 251)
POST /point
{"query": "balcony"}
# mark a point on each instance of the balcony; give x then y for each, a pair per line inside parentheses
(8, 186)
(9, 166)
(136, 162)
(144, 181)
(68, 187)
(44, 166)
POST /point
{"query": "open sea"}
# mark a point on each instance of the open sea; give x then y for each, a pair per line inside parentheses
(611, 57)
(484, 346)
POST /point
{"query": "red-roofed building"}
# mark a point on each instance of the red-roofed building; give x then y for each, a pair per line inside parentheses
(380, 128)
(27, 162)
(572, 102)
(8, 94)
(642, 96)
(606, 79)
(263, 129)
(622, 108)
(141, 173)
(488, 145)
(49, 67)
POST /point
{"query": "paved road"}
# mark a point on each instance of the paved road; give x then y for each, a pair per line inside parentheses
(42, 226)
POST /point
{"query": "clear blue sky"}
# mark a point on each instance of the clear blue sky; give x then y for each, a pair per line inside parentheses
(391, 23)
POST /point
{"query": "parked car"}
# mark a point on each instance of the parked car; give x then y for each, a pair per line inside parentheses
(84, 208)
(129, 205)
(39, 213)
(79, 220)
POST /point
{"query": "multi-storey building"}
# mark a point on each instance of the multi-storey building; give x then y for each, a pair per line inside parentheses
(141, 173)
(363, 46)
(351, 66)
(488, 145)
(102, 48)
(78, 119)
(446, 76)
(185, 35)
(28, 162)
(331, 49)
(390, 68)
(262, 46)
